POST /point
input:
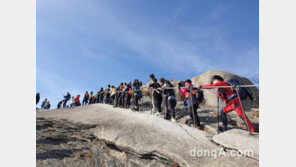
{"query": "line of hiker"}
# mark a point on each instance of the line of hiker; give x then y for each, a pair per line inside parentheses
(163, 98)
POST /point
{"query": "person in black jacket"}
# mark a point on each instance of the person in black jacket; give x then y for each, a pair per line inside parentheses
(101, 96)
(156, 93)
(170, 101)
(66, 99)
(85, 98)
(118, 95)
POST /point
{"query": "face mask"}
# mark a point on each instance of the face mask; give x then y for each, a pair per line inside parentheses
(215, 81)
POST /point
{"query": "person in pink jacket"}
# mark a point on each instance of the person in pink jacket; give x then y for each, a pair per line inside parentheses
(190, 101)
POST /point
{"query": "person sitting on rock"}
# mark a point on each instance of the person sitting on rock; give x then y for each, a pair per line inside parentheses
(45, 104)
(230, 98)
(156, 95)
(85, 98)
(77, 101)
(190, 101)
(66, 99)
(169, 101)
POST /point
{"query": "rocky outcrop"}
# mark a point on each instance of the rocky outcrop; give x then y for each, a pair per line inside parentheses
(142, 135)
(210, 98)
(239, 140)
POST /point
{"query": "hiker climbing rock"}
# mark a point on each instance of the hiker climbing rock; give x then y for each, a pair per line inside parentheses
(85, 98)
(91, 98)
(66, 99)
(191, 101)
(231, 99)
(97, 97)
(128, 95)
(112, 95)
(45, 104)
(107, 95)
(152, 77)
(169, 101)
(156, 95)
(118, 95)
(72, 102)
(101, 96)
(77, 101)
(137, 94)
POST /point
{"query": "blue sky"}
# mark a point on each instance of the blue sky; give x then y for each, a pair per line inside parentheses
(87, 44)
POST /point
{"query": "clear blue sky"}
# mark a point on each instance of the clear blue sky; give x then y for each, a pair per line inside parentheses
(87, 44)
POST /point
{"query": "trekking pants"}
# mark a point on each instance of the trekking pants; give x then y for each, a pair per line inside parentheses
(101, 98)
(118, 98)
(112, 98)
(136, 101)
(194, 117)
(157, 100)
(84, 102)
(170, 108)
(235, 105)
(65, 103)
(107, 98)
(127, 100)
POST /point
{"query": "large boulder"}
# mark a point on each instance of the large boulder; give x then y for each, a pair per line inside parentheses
(210, 97)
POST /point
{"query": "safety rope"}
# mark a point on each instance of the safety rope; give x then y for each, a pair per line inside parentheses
(207, 87)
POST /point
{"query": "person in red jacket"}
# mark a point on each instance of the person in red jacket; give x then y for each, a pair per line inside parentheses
(230, 98)
(77, 101)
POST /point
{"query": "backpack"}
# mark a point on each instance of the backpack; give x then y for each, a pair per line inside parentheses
(244, 93)
(199, 95)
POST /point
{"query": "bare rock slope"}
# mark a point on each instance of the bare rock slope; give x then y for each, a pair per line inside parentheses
(100, 135)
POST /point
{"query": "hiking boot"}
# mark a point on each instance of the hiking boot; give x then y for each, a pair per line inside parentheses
(197, 127)
(157, 113)
(173, 119)
(224, 128)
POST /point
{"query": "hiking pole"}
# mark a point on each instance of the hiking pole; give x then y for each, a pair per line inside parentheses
(218, 115)
(191, 105)
(151, 95)
(236, 87)
(164, 104)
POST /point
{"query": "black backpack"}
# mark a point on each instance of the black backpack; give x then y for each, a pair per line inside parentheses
(243, 92)
(199, 95)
